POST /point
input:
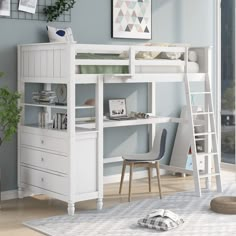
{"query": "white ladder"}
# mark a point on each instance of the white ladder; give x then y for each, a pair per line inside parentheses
(208, 134)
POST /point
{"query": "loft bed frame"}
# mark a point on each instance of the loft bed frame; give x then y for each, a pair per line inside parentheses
(57, 63)
(51, 61)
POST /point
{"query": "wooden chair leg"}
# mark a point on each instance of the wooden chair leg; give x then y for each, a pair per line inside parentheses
(130, 179)
(158, 178)
(122, 176)
(149, 178)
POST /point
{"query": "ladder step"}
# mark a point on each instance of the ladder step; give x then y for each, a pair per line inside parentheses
(202, 113)
(198, 125)
(199, 154)
(203, 134)
(199, 93)
(199, 122)
(208, 175)
(200, 139)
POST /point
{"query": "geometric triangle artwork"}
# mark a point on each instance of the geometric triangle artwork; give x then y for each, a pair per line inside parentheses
(146, 30)
(131, 19)
(130, 26)
(140, 19)
(120, 13)
(118, 4)
(127, 29)
(119, 19)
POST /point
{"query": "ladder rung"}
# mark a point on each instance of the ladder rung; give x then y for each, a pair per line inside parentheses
(199, 139)
(203, 134)
(206, 153)
(202, 113)
(198, 125)
(199, 122)
(199, 93)
(208, 175)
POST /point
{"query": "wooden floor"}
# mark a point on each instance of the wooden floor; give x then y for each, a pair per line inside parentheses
(14, 212)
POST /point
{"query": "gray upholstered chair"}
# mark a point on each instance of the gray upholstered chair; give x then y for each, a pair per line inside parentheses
(149, 160)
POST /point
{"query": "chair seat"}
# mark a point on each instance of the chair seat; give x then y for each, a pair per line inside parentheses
(142, 157)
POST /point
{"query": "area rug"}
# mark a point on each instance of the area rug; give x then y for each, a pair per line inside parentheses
(121, 220)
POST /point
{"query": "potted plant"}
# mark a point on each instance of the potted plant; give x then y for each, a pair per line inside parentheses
(52, 12)
(9, 113)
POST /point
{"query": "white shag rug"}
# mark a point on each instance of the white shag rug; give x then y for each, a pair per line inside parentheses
(121, 220)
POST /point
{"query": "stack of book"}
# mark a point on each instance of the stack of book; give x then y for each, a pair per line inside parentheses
(59, 121)
(45, 96)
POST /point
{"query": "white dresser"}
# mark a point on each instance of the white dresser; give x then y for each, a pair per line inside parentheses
(65, 164)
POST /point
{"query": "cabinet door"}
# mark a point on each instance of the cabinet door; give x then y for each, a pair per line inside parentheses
(86, 163)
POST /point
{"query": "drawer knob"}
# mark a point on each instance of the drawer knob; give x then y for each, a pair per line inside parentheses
(42, 142)
(42, 179)
(42, 159)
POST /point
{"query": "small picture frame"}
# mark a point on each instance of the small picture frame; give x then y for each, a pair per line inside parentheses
(117, 107)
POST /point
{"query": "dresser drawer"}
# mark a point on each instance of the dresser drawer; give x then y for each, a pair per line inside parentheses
(50, 143)
(50, 182)
(42, 159)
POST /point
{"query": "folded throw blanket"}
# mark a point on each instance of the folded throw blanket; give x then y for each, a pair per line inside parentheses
(161, 219)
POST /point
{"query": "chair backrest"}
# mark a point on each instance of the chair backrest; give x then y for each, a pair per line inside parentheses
(159, 144)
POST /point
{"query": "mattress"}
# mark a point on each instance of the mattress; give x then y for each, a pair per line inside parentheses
(172, 66)
(193, 67)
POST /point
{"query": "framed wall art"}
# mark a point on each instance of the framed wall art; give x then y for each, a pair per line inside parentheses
(131, 19)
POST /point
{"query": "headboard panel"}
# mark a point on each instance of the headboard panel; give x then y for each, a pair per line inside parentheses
(41, 62)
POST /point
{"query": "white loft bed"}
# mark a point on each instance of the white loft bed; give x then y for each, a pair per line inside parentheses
(58, 63)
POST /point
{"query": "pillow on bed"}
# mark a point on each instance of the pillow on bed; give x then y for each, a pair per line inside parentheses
(192, 56)
(143, 54)
(147, 55)
(60, 35)
(170, 55)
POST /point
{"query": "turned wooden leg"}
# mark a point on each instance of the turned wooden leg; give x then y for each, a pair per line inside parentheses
(122, 176)
(149, 178)
(158, 178)
(130, 179)
(71, 208)
(99, 203)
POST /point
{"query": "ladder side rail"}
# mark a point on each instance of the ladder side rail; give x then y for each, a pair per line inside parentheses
(190, 119)
(214, 142)
(207, 127)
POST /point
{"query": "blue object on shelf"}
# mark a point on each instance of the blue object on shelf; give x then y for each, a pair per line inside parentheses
(189, 163)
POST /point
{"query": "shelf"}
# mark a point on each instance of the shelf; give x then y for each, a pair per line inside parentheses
(84, 107)
(85, 130)
(44, 105)
(114, 123)
(57, 106)
(150, 120)
(32, 128)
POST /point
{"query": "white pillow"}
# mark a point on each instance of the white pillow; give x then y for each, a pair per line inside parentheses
(170, 55)
(60, 35)
(147, 55)
(144, 55)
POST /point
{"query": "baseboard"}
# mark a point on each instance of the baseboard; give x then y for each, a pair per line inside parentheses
(228, 167)
(136, 175)
(8, 195)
